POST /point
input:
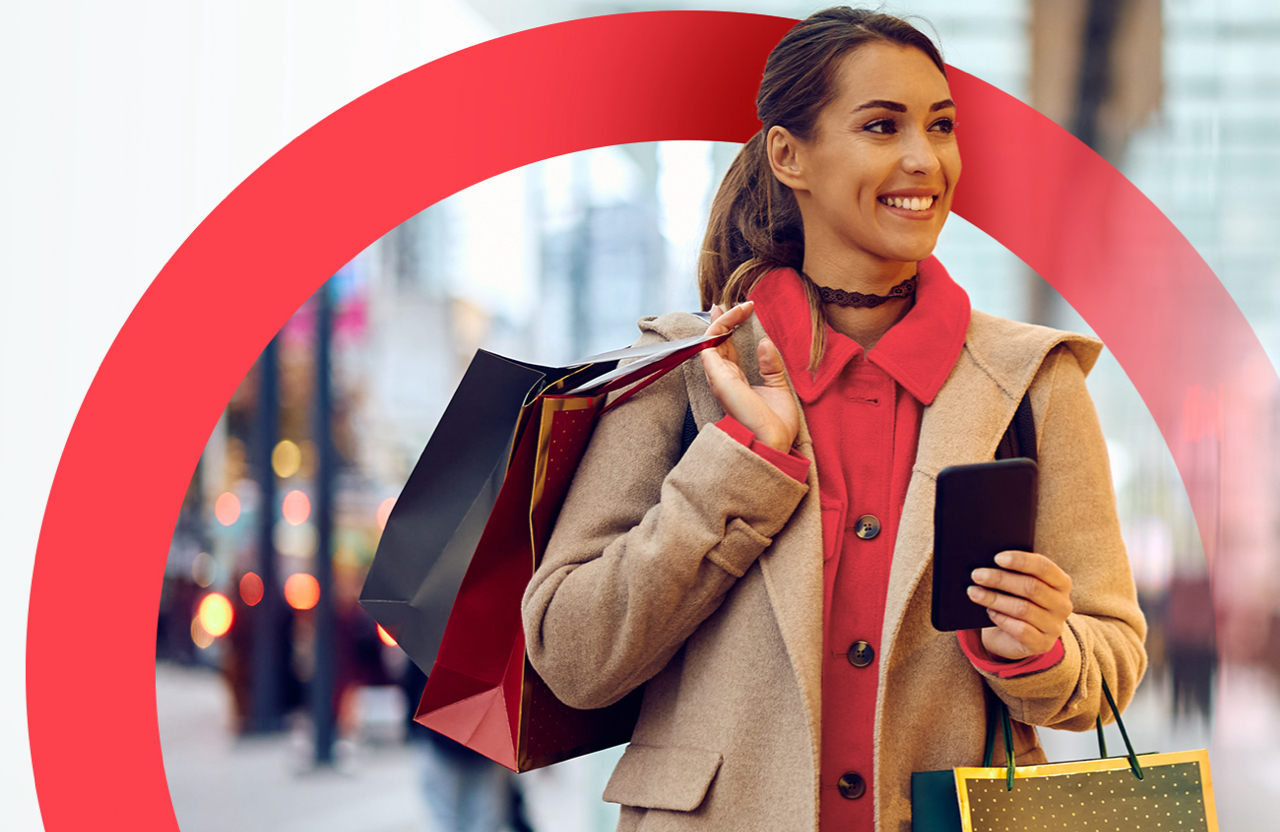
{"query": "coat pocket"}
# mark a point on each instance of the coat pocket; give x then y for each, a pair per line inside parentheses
(652, 777)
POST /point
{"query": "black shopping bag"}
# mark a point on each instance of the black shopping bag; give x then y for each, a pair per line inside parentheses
(442, 512)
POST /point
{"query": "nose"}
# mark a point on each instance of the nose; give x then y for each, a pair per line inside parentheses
(918, 153)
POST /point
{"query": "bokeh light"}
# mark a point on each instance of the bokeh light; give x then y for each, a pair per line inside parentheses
(384, 511)
(215, 614)
(302, 591)
(227, 508)
(386, 637)
(199, 635)
(296, 508)
(251, 588)
(286, 459)
(202, 569)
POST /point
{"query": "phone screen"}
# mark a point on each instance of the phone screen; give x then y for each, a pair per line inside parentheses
(980, 511)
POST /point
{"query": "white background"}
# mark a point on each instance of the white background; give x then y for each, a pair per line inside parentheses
(124, 125)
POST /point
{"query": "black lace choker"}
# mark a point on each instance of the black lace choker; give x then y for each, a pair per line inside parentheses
(840, 297)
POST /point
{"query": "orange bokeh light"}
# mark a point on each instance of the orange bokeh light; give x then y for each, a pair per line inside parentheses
(215, 614)
(296, 508)
(302, 591)
(384, 511)
(386, 637)
(202, 639)
(227, 508)
(251, 588)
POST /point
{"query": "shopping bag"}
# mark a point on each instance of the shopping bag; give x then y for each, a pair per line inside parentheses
(1174, 792)
(464, 536)
(442, 510)
(1130, 793)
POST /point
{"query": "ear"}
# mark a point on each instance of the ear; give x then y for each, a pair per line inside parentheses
(785, 157)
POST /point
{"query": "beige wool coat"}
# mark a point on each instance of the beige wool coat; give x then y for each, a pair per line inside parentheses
(701, 575)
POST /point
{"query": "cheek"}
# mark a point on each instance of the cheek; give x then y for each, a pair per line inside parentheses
(951, 163)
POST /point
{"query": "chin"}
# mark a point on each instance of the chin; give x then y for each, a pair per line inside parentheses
(911, 253)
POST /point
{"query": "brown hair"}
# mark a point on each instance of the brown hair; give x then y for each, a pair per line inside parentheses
(755, 224)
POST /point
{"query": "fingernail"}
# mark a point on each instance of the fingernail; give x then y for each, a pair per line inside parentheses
(974, 592)
(1004, 558)
(980, 575)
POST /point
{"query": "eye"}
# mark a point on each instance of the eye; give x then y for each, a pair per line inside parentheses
(883, 125)
(943, 125)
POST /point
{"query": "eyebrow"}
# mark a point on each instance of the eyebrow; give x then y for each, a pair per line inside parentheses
(882, 104)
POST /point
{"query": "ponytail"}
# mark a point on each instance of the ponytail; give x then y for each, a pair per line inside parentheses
(754, 228)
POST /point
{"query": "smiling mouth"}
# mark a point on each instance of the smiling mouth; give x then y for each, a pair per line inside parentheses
(908, 203)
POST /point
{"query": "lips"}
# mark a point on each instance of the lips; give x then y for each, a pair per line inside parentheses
(908, 203)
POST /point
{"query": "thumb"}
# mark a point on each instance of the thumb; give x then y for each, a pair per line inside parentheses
(772, 370)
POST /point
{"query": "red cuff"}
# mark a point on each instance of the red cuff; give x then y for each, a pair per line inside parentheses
(971, 644)
(792, 464)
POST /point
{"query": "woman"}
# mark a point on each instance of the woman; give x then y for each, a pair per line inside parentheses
(770, 583)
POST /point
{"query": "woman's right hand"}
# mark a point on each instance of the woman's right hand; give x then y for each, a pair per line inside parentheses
(769, 410)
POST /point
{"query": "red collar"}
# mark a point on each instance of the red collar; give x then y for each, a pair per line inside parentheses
(918, 351)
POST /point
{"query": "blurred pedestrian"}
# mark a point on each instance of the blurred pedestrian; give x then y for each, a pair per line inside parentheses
(463, 791)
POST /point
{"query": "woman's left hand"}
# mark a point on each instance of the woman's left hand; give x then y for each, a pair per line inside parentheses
(1028, 599)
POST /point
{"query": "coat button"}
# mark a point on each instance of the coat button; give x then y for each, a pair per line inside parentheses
(868, 527)
(851, 785)
(861, 654)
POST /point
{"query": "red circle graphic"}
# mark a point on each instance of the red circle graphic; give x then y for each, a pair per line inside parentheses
(411, 142)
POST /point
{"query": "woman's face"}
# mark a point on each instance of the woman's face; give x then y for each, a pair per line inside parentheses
(878, 173)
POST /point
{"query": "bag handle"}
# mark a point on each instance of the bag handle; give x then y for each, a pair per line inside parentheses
(1019, 439)
(1102, 744)
(658, 369)
(655, 361)
(1006, 725)
(653, 373)
(1004, 722)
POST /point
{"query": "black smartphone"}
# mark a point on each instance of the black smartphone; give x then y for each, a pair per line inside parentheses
(980, 511)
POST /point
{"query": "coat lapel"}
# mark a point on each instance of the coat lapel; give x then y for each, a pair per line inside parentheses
(963, 425)
(792, 566)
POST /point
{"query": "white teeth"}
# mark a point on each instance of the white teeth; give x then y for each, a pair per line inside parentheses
(911, 203)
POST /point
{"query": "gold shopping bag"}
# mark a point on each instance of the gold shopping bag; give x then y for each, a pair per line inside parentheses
(1133, 793)
(1175, 793)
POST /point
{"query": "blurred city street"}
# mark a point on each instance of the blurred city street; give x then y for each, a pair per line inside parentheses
(221, 782)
